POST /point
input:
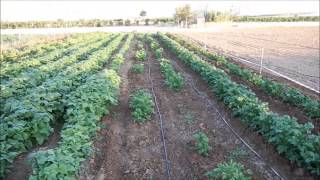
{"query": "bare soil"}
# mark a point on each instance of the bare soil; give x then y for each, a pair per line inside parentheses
(293, 51)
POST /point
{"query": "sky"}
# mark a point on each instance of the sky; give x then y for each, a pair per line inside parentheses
(71, 10)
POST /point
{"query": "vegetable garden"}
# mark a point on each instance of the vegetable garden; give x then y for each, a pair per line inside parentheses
(149, 106)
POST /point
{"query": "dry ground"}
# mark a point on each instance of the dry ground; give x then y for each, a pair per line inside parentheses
(293, 51)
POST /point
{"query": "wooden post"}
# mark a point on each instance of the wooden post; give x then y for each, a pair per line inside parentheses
(261, 60)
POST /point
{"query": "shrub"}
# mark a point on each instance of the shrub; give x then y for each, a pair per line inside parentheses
(202, 143)
(138, 68)
(142, 105)
(141, 55)
(172, 79)
(158, 53)
(230, 170)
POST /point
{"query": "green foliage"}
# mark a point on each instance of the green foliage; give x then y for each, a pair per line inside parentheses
(117, 61)
(294, 140)
(238, 153)
(158, 53)
(26, 121)
(189, 118)
(137, 68)
(86, 105)
(281, 91)
(141, 103)
(140, 45)
(172, 79)
(202, 143)
(141, 55)
(227, 171)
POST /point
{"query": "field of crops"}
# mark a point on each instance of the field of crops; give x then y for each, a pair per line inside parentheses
(149, 106)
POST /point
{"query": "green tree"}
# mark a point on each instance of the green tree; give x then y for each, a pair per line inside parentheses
(183, 14)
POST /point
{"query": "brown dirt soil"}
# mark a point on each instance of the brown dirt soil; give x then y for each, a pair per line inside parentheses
(292, 51)
(223, 138)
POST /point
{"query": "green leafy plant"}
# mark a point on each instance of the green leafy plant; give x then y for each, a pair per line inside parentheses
(141, 55)
(227, 171)
(137, 68)
(158, 53)
(202, 143)
(237, 153)
(294, 140)
(278, 90)
(29, 123)
(85, 107)
(141, 103)
(189, 118)
(172, 79)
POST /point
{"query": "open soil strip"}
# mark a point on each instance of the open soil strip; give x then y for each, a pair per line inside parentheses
(163, 139)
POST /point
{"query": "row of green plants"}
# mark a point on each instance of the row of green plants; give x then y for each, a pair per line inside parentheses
(173, 79)
(119, 58)
(84, 109)
(23, 84)
(103, 85)
(14, 55)
(27, 121)
(281, 91)
(142, 105)
(229, 170)
(291, 139)
(11, 70)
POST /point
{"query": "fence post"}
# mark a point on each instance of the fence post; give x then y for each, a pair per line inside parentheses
(261, 60)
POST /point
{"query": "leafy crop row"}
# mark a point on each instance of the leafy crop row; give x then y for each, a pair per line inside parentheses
(27, 121)
(290, 138)
(21, 85)
(141, 55)
(17, 55)
(85, 107)
(155, 47)
(228, 171)
(278, 90)
(141, 103)
(10, 70)
(119, 58)
(172, 79)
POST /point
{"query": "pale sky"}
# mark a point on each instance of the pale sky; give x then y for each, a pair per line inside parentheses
(70, 10)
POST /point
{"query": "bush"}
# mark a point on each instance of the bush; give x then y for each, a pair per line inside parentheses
(172, 79)
(142, 105)
(138, 68)
(230, 170)
(202, 143)
(141, 55)
(158, 53)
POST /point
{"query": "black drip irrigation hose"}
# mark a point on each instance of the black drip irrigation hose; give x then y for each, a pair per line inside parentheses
(166, 159)
(214, 105)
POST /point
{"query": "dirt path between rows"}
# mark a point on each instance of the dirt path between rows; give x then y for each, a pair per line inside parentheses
(128, 150)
